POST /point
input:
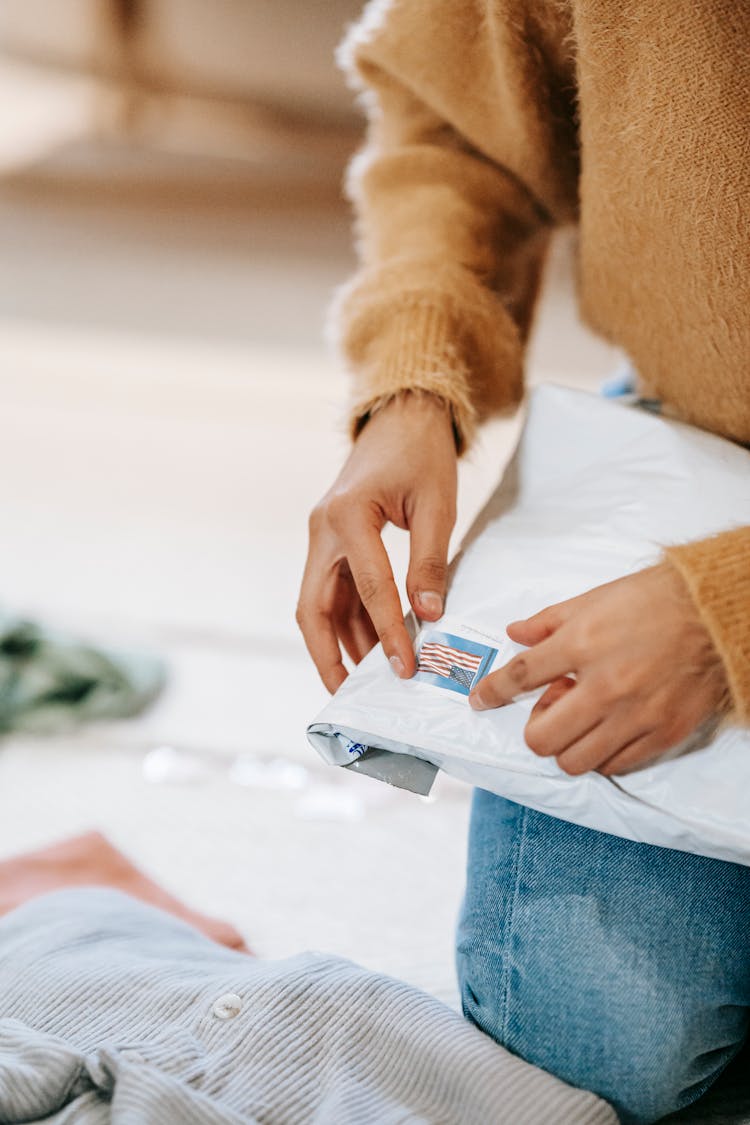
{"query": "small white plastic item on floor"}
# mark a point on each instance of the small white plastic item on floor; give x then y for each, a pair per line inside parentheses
(593, 492)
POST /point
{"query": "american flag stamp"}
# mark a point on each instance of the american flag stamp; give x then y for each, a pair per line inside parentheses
(450, 662)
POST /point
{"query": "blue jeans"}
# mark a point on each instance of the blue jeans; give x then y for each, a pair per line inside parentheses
(620, 967)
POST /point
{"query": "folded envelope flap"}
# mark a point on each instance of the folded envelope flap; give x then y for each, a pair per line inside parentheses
(380, 761)
(400, 770)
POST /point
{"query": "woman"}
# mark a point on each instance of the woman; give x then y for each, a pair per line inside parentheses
(620, 967)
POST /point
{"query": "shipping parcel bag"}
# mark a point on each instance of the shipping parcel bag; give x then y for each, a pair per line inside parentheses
(594, 490)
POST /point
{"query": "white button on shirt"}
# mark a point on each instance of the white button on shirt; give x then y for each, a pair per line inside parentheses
(227, 1006)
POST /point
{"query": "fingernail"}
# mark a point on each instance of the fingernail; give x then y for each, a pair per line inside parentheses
(431, 601)
(397, 665)
(476, 702)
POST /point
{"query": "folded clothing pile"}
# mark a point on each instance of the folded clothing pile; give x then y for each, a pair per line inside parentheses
(112, 1011)
(50, 681)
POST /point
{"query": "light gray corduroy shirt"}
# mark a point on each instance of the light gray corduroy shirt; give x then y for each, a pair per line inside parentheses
(112, 1011)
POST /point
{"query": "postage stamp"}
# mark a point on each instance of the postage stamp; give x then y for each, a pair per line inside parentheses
(451, 662)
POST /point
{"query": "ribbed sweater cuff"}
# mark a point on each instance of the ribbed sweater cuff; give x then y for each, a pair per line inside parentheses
(717, 574)
(416, 351)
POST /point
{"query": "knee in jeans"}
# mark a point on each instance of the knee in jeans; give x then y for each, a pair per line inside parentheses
(645, 1067)
(652, 1076)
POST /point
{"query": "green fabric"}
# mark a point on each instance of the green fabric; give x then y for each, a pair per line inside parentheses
(49, 681)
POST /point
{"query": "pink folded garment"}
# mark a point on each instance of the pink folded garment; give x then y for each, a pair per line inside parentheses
(91, 861)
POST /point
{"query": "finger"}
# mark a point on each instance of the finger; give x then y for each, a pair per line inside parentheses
(373, 577)
(363, 631)
(315, 612)
(350, 621)
(529, 670)
(346, 638)
(320, 638)
(343, 601)
(532, 630)
(556, 690)
(552, 729)
(597, 747)
(430, 531)
(355, 630)
(639, 752)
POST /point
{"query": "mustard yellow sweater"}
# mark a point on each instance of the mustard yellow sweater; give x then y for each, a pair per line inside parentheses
(493, 121)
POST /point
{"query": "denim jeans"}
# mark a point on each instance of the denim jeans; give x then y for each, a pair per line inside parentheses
(622, 968)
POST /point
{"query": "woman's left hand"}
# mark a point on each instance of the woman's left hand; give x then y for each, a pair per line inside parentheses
(631, 671)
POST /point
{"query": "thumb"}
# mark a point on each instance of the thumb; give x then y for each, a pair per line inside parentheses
(430, 531)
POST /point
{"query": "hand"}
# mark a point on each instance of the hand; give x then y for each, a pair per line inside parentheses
(402, 469)
(646, 673)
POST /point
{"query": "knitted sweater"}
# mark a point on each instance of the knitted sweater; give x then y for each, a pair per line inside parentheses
(491, 122)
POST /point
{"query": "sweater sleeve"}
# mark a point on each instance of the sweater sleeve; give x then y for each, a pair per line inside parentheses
(717, 573)
(470, 160)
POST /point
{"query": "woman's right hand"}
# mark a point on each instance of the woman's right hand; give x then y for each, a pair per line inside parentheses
(402, 470)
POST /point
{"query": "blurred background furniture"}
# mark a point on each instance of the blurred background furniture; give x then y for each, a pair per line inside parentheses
(242, 79)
